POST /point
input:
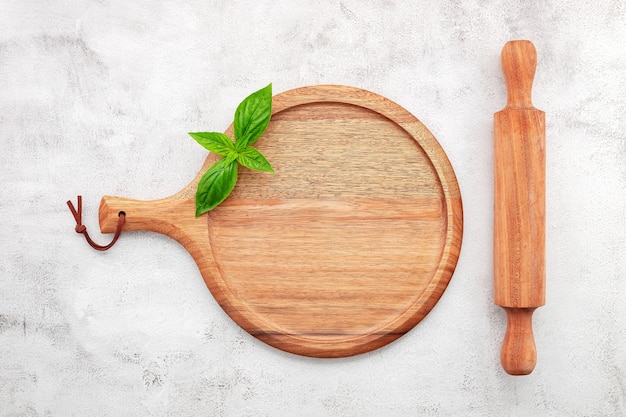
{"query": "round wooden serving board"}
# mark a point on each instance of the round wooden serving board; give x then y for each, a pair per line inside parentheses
(346, 247)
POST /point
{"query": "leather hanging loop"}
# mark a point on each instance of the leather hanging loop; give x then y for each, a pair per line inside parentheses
(80, 227)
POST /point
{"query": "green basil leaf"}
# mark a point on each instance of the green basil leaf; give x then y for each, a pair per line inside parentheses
(216, 184)
(252, 117)
(215, 142)
(253, 159)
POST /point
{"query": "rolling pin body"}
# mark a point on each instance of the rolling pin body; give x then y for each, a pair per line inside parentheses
(519, 208)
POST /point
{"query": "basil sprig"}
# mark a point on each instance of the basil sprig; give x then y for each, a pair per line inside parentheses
(251, 119)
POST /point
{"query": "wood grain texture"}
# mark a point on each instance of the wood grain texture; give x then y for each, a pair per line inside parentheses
(346, 248)
(519, 229)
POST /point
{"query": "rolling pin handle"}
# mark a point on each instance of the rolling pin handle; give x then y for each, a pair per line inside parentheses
(519, 354)
(519, 62)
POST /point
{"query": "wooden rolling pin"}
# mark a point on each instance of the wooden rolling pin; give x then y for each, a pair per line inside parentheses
(519, 211)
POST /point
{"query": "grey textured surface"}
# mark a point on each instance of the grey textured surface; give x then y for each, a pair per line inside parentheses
(96, 98)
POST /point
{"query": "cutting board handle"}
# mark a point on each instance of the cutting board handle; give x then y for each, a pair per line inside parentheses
(519, 353)
(519, 62)
(161, 216)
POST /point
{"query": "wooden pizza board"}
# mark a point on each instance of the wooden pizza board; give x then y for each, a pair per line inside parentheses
(345, 248)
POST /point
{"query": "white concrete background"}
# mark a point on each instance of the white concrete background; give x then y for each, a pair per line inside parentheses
(96, 98)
